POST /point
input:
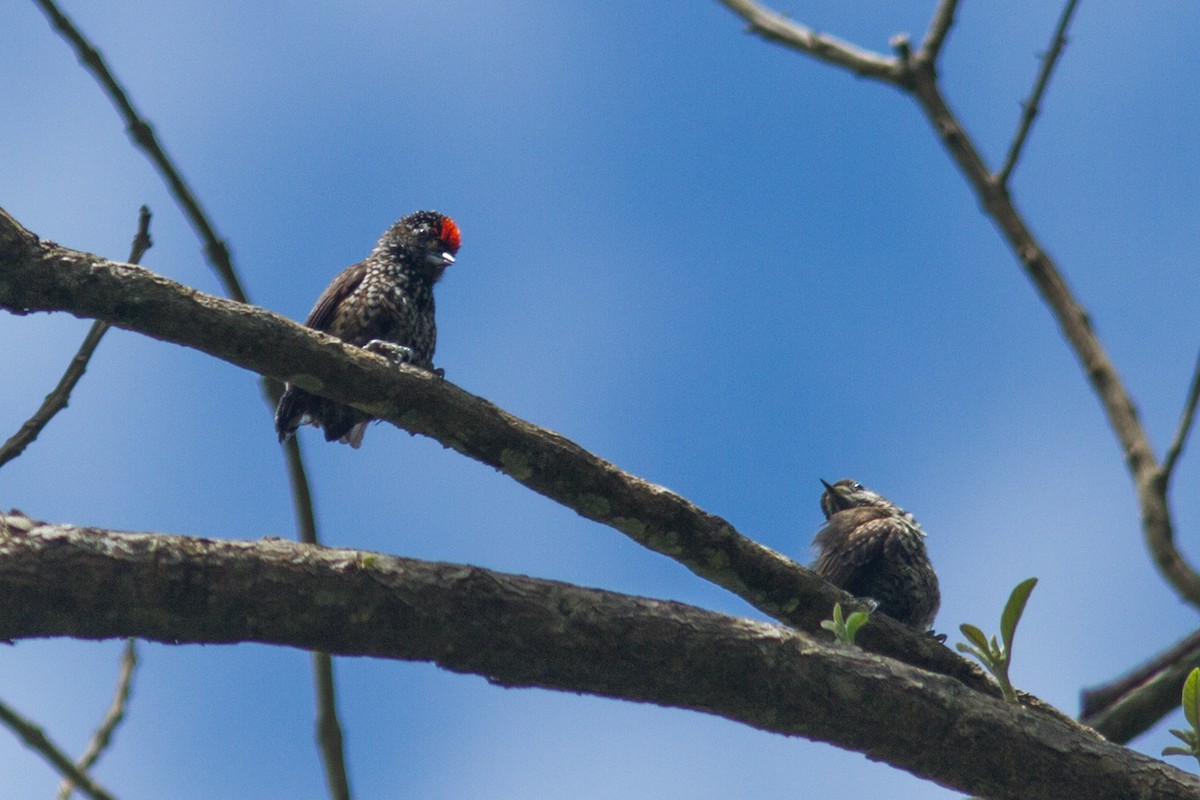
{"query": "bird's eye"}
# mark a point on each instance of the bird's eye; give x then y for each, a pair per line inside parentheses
(856, 487)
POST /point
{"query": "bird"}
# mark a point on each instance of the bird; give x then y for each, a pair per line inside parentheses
(384, 304)
(872, 548)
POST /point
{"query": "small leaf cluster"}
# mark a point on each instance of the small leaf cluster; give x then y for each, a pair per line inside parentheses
(844, 630)
(1191, 711)
(997, 656)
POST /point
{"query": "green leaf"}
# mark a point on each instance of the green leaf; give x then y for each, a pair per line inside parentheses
(974, 635)
(971, 650)
(1176, 751)
(1190, 699)
(1013, 610)
(1187, 736)
(830, 626)
(856, 621)
(837, 614)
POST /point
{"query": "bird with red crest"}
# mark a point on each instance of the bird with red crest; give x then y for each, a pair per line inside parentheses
(384, 303)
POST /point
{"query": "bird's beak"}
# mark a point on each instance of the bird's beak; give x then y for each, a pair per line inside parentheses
(837, 497)
(440, 259)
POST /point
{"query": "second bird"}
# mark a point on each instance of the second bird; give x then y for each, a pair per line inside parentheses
(384, 304)
(872, 548)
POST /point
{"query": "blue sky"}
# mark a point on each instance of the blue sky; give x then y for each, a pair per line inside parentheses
(725, 267)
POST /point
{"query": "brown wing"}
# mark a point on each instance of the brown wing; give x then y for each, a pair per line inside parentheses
(850, 541)
(322, 316)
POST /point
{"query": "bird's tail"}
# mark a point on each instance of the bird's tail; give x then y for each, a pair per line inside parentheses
(289, 414)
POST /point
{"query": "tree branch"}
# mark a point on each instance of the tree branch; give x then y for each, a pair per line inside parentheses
(57, 400)
(112, 718)
(781, 30)
(939, 28)
(1029, 109)
(41, 276)
(142, 134)
(216, 251)
(916, 74)
(1129, 705)
(36, 739)
(1185, 427)
(523, 632)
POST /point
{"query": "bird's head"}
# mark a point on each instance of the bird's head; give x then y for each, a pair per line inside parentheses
(432, 239)
(848, 493)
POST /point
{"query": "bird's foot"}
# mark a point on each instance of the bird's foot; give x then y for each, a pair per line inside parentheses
(396, 353)
(439, 373)
(865, 604)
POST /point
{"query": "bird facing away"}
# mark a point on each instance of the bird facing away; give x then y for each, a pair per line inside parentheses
(871, 547)
(383, 303)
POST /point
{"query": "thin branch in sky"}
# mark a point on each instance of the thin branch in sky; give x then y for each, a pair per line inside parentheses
(36, 739)
(112, 718)
(781, 30)
(57, 400)
(329, 729)
(143, 136)
(1030, 108)
(939, 27)
(918, 76)
(218, 256)
(1185, 427)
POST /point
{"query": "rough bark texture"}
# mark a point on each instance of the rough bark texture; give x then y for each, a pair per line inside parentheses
(42, 276)
(518, 631)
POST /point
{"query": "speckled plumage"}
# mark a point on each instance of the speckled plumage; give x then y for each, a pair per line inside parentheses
(388, 298)
(873, 548)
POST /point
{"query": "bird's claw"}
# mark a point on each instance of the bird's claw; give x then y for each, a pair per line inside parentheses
(396, 353)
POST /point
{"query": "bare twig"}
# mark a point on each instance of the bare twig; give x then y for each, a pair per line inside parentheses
(781, 30)
(939, 28)
(329, 730)
(1030, 108)
(36, 739)
(143, 136)
(218, 256)
(1185, 426)
(112, 718)
(57, 400)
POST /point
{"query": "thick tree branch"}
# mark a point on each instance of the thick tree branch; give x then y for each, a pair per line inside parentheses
(41, 276)
(1129, 705)
(517, 631)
